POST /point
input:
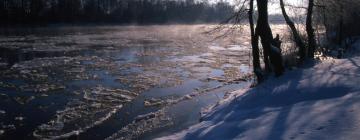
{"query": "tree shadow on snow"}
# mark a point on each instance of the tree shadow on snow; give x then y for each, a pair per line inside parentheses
(279, 96)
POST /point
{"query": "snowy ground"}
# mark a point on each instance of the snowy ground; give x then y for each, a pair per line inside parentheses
(320, 102)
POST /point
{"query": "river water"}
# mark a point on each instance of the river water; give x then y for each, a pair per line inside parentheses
(114, 82)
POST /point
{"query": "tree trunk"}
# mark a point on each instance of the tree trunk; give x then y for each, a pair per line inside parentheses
(341, 22)
(264, 31)
(310, 30)
(299, 42)
(255, 45)
(272, 55)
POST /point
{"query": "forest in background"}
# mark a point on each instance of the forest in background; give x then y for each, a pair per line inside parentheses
(329, 28)
(113, 11)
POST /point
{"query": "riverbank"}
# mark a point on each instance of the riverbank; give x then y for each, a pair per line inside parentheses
(317, 102)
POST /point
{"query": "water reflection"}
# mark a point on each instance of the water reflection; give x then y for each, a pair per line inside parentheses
(76, 78)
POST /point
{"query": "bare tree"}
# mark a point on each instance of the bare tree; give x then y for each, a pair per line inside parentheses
(310, 29)
(255, 44)
(299, 42)
(272, 55)
(340, 18)
(264, 31)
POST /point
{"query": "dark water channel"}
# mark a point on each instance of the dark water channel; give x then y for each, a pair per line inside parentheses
(113, 82)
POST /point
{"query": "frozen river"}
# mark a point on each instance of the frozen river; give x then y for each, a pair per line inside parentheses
(114, 82)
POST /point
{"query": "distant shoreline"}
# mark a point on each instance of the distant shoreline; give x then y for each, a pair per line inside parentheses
(273, 19)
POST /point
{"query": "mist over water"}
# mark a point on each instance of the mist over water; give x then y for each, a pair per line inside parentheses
(114, 82)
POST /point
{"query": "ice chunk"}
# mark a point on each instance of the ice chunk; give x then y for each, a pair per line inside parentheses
(8, 127)
(24, 99)
(97, 105)
(19, 118)
(145, 117)
(143, 123)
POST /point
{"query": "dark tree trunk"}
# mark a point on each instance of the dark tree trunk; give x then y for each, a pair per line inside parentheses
(264, 31)
(310, 30)
(299, 42)
(255, 45)
(341, 22)
(341, 32)
(272, 55)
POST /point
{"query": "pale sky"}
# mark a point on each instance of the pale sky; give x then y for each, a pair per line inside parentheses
(274, 5)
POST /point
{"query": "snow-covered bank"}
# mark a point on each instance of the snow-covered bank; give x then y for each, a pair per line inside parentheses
(320, 102)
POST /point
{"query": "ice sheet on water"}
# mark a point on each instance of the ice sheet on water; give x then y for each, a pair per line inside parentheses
(45, 75)
(22, 100)
(174, 100)
(97, 105)
(8, 127)
(40, 88)
(4, 96)
(152, 76)
(156, 57)
(142, 123)
(19, 118)
(44, 62)
(3, 65)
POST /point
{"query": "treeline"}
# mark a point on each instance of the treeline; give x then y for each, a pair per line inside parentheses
(119, 11)
(340, 18)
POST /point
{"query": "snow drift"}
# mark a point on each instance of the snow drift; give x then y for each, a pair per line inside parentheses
(318, 102)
